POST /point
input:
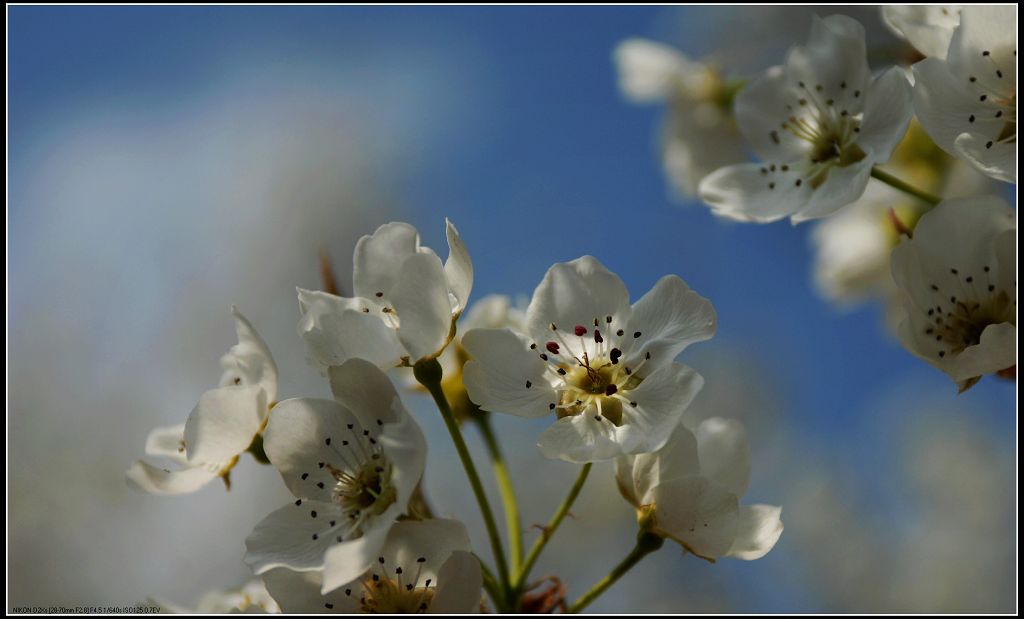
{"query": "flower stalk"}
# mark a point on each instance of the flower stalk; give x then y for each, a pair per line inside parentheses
(646, 543)
(508, 494)
(428, 373)
(549, 530)
(896, 183)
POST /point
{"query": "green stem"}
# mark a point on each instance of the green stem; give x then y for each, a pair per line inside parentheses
(646, 543)
(428, 373)
(896, 183)
(508, 494)
(549, 530)
(490, 584)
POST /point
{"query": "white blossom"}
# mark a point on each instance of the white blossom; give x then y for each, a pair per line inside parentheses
(689, 492)
(252, 598)
(928, 27)
(423, 567)
(819, 124)
(221, 426)
(967, 101)
(352, 464)
(602, 367)
(853, 248)
(700, 134)
(958, 276)
(405, 302)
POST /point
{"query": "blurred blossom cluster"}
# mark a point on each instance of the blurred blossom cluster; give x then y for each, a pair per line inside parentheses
(822, 124)
(548, 415)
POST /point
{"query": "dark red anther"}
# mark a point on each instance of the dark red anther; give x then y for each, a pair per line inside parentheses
(611, 389)
(552, 347)
(597, 336)
(580, 330)
(615, 354)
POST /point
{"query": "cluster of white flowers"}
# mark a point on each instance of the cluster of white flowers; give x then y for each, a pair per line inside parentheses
(822, 123)
(359, 536)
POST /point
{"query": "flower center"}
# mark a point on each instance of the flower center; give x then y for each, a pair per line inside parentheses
(590, 375)
(392, 591)
(828, 132)
(367, 489)
(963, 310)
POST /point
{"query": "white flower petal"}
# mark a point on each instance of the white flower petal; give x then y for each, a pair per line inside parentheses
(724, 453)
(420, 297)
(835, 54)
(996, 351)
(754, 192)
(224, 422)
(888, 107)
(378, 259)
(362, 388)
(299, 592)
(669, 318)
(575, 293)
(348, 560)
(504, 375)
(458, 269)
(289, 537)
(844, 185)
(852, 248)
(624, 466)
(760, 108)
(995, 159)
(249, 361)
(678, 458)
(942, 103)
(458, 585)
(698, 513)
(162, 481)
(579, 438)
(991, 29)
(167, 442)
(295, 443)
(648, 71)
(655, 408)
(928, 28)
(697, 139)
(336, 329)
(432, 540)
(493, 311)
(758, 529)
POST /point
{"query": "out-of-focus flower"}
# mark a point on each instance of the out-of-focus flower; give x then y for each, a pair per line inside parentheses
(853, 248)
(221, 426)
(424, 567)
(689, 492)
(253, 598)
(928, 28)
(352, 464)
(958, 276)
(405, 303)
(819, 124)
(967, 101)
(700, 134)
(604, 368)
